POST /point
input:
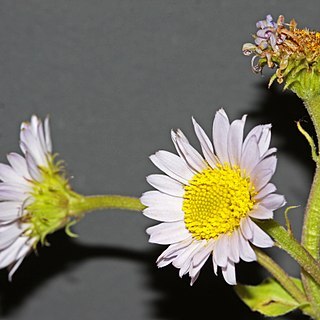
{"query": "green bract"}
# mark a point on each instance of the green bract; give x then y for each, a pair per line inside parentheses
(50, 208)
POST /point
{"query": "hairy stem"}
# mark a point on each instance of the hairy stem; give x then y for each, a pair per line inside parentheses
(91, 203)
(285, 280)
(311, 226)
(285, 241)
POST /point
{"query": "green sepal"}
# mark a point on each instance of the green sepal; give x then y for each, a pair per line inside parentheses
(68, 231)
(269, 297)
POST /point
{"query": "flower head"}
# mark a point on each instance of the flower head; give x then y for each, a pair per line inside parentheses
(293, 52)
(34, 195)
(206, 203)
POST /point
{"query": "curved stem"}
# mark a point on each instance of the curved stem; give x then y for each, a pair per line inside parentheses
(285, 241)
(285, 280)
(90, 203)
(310, 266)
(310, 232)
(311, 226)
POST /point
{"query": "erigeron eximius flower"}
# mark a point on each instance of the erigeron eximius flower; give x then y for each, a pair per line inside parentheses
(294, 54)
(35, 196)
(206, 203)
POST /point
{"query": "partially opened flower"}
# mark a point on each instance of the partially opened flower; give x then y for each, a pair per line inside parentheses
(34, 195)
(207, 204)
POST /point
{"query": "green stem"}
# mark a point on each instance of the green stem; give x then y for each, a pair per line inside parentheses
(285, 241)
(285, 280)
(310, 266)
(90, 203)
(311, 226)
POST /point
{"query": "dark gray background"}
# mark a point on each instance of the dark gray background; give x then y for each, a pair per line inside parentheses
(115, 77)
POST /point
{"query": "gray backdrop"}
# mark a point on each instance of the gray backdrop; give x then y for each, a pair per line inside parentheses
(115, 77)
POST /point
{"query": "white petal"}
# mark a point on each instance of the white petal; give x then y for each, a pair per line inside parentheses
(7, 174)
(164, 169)
(19, 164)
(32, 145)
(172, 165)
(20, 257)
(199, 260)
(9, 233)
(9, 210)
(195, 270)
(266, 164)
(215, 266)
(33, 167)
(203, 253)
(40, 135)
(269, 152)
(246, 252)
(166, 184)
(273, 201)
(235, 139)
(174, 140)
(195, 274)
(174, 249)
(158, 200)
(229, 273)
(206, 145)
(269, 188)
(221, 249)
(184, 258)
(186, 266)
(34, 123)
(10, 254)
(234, 254)
(11, 192)
(250, 155)
(168, 233)
(262, 178)
(246, 229)
(47, 134)
(220, 131)
(254, 132)
(16, 265)
(189, 154)
(260, 212)
(260, 238)
(162, 215)
(265, 138)
(185, 263)
(263, 135)
(12, 186)
(168, 255)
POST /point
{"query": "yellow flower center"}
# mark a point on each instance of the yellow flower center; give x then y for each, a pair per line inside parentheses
(216, 200)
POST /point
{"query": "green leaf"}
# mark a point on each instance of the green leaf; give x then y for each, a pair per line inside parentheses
(268, 298)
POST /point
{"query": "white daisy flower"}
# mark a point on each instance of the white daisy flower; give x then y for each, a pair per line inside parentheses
(206, 203)
(32, 195)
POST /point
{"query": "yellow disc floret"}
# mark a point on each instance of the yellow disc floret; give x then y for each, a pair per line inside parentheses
(216, 200)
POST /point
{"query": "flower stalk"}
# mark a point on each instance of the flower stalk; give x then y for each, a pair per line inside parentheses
(310, 266)
(310, 232)
(284, 240)
(90, 203)
(285, 280)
